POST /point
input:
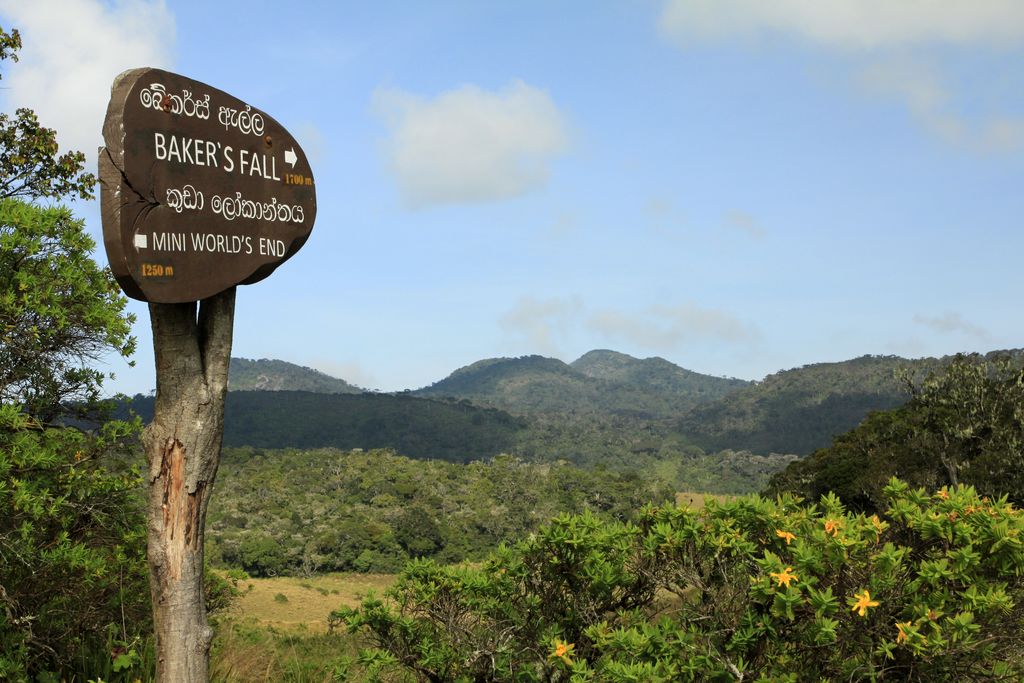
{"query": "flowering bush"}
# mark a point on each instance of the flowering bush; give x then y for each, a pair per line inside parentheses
(751, 589)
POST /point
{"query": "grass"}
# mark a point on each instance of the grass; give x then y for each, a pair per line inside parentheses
(264, 638)
(306, 602)
(696, 500)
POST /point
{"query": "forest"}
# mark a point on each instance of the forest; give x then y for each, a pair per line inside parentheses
(534, 518)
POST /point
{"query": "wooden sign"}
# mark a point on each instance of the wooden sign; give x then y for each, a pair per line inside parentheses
(199, 191)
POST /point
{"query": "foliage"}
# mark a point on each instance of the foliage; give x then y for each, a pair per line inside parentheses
(73, 596)
(220, 589)
(300, 512)
(58, 310)
(749, 589)
(72, 545)
(277, 375)
(30, 164)
(963, 424)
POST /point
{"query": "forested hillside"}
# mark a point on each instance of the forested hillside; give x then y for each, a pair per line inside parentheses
(415, 427)
(291, 511)
(963, 425)
(656, 375)
(458, 431)
(601, 382)
(799, 410)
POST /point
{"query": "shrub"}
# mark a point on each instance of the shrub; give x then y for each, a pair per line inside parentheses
(750, 589)
(72, 546)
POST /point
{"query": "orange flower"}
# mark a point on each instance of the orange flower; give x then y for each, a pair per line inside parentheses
(863, 601)
(562, 651)
(832, 526)
(902, 627)
(785, 577)
(943, 494)
(785, 534)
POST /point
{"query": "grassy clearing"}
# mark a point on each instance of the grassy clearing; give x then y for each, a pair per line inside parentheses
(696, 500)
(277, 630)
(290, 603)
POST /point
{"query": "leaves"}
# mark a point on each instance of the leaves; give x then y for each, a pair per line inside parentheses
(963, 424)
(687, 596)
(58, 310)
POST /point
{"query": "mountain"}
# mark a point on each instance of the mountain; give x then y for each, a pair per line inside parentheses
(800, 410)
(277, 375)
(655, 375)
(599, 382)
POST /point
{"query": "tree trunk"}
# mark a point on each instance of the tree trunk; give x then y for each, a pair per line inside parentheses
(183, 449)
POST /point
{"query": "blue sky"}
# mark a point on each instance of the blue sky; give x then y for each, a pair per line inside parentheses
(737, 186)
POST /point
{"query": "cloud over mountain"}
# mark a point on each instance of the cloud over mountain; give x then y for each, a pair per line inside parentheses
(471, 144)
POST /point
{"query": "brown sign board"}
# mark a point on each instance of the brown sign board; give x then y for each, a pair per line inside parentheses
(199, 191)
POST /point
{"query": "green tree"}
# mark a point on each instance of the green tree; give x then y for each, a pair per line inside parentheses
(58, 308)
(72, 547)
(59, 311)
(31, 165)
(964, 424)
(72, 571)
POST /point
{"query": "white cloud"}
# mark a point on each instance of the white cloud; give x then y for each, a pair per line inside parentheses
(923, 91)
(543, 322)
(849, 24)
(351, 372)
(745, 223)
(665, 328)
(886, 31)
(471, 145)
(73, 50)
(952, 323)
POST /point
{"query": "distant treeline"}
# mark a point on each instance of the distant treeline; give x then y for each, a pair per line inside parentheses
(415, 427)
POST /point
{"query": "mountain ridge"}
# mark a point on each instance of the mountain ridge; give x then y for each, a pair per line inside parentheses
(599, 381)
(268, 374)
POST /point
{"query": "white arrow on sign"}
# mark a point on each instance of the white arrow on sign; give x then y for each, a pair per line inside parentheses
(290, 158)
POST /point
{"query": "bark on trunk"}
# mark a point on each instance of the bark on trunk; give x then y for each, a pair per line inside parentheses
(183, 449)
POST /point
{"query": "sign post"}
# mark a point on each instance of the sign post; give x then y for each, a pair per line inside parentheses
(200, 192)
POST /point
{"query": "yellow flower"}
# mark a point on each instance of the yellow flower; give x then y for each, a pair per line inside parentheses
(902, 627)
(943, 494)
(832, 526)
(785, 577)
(863, 602)
(785, 534)
(562, 651)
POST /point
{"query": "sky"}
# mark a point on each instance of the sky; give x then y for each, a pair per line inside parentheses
(737, 186)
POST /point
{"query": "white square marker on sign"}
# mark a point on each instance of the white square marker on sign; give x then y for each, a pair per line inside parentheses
(141, 242)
